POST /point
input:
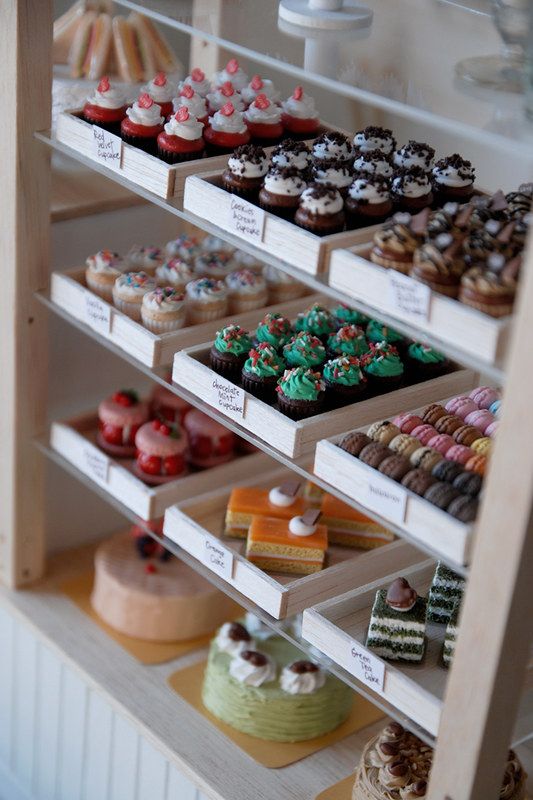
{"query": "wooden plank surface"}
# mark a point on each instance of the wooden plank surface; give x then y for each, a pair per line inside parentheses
(79, 192)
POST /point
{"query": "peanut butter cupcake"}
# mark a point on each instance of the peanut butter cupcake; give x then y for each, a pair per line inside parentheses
(492, 290)
(395, 244)
(440, 264)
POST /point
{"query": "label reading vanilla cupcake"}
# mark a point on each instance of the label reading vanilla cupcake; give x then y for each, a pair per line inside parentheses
(245, 219)
(107, 148)
(97, 313)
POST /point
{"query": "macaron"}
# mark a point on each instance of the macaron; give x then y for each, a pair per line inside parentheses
(404, 445)
(495, 407)
(480, 418)
(482, 446)
(448, 424)
(491, 429)
(459, 453)
(407, 422)
(441, 494)
(447, 471)
(463, 508)
(383, 432)
(354, 442)
(424, 433)
(418, 481)
(484, 396)
(460, 406)
(477, 464)
(467, 434)
(469, 483)
(395, 467)
(432, 413)
(426, 460)
(441, 442)
(374, 453)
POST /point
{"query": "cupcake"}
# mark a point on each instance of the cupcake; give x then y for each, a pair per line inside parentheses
(193, 102)
(344, 380)
(257, 86)
(414, 154)
(520, 203)
(106, 107)
(344, 315)
(181, 139)
(371, 163)
(281, 191)
(291, 153)
(144, 258)
(300, 393)
(184, 246)
(332, 146)
(377, 332)
(395, 244)
(423, 362)
(411, 190)
(439, 264)
(210, 443)
(368, 202)
(316, 320)
(492, 290)
(335, 173)
(246, 290)
(142, 124)
(247, 166)
(320, 210)
(198, 81)
(261, 372)
(129, 290)
(263, 119)
(451, 218)
(175, 273)
(374, 138)
(349, 340)
(383, 369)
(161, 452)
(163, 310)
(226, 130)
(225, 93)
(304, 350)
(102, 270)
(274, 330)
(244, 260)
(231, 72)
(161, 91)
(453, 180)
(214, 244)
(281, 286)
(119, 418)
(299, 115)
(229, 351)
(214, 264)
(207, 300)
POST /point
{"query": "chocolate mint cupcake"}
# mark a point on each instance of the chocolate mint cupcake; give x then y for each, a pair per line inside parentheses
(411, 190)
(320, 210)
(261, 372)
(344, 381)
(301, 393)
(229, 351)
(247, 166)
(316, 320)
(377, 332)
(304, 350)
(383, 368)
(349, 316)
(291, 153)
(274, 329)
(423, 363)
(334, 173)
(453, 180)
(349, 340)
(368, 201)
(281, 191)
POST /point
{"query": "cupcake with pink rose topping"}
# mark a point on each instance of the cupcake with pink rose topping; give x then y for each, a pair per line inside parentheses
(103, 268)
(181, 140)
(163, 310)
(142, 124)
(119, 418)
(106, 107)
(222, 95)
(129, 290)
(210, 443)
(198, 81)
(161, 90)
(161, 452)
(226, 130)
(231, 72)
(263, 118)
(194, 103)
(300, 117)
(257, 86)
(175, 273)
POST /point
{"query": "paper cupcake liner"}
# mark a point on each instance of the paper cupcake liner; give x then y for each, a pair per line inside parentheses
(284, 292)
(103, 290)
(300, 409)
(237, 304)
(170, 157)
(227, 368)
(172, 322)
(262, 388)
(197, 314)
(132, 310)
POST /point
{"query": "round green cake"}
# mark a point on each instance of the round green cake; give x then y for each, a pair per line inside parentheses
(268, 711)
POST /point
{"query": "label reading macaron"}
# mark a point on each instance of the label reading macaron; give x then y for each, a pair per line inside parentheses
(97, 313)
(245, 219)
(107, 148)
(385, 497)
(411, 298)
(365, 666)
(217, 557)
(230, 399)
(96, 464)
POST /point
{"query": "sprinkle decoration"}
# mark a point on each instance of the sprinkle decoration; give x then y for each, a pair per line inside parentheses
(135, 279)
(261, 101)
(277, 324)
(160, 79)
(227, 109)
(232, 66)
(145, 101)
(198, 75)
(298, 93)
(182, 114)
(256, 83)
(227, 89)
(104, 85)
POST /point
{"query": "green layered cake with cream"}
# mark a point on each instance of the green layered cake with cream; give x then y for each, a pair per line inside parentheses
(397, 629)
(446, 589)
(264, 687)
(452, 631)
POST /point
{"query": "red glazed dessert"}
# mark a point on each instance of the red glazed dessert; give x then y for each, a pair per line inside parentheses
(161, 91)
(263, 119)
(168, 406)
(210, 443)
(106, 107)
(226, 130)
(300, 117)
(142, 124)
(119, 419)
(181, 139)
(161, 452)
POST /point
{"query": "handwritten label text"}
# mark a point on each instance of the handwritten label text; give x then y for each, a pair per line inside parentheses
(107, 147)
(246, 219)
(366, 667)
(228, 397)
(410, 297)
(217, 557)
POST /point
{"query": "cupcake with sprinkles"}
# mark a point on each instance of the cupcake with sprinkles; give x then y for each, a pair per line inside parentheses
(215, 264)
(304, 350)
(145, 259)
(185, 247)
(207, 299)
(246, 290)
(344, 380)
(383, 368)
(423, 362)
(377, 332)
(316, 320)
(163, 310)
(349, 340)
(102, 270)
(301, 393)
(274, 330)
(129, 290)
(230, 351)
(261, 372)
(175, 273)
(345, 315)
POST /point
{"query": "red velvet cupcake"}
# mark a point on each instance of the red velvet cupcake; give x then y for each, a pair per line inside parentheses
(181, 139)
(263, 119)
(193, 102)
(300, 117)
(106, 107)
(161, 91)
(143, 124)
(226, 130)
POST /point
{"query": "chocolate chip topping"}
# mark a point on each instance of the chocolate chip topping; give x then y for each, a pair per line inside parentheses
(319, 190)
(375, 132)
(285, 172)
(301, 667)
(238, 633)
(419, 149)
(333, 137)
(464, 168)
(381, 183)
(337, 163)
(311, 516)
(249, 152)
(389, 748)
(291, 146)
(255, 658)
(409, 175)
(376, 155)
(398, 768)
(400, 594)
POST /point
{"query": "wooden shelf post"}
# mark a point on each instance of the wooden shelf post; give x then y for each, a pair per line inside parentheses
(25, 94)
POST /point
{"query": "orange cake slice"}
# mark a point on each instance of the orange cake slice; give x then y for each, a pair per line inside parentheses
(313, 494)
(349, 527)
(280, 502)
(296, 546)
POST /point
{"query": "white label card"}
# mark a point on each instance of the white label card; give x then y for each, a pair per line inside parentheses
(217, 557)
(246, 219)
(107, 148)
(97, 313)
(410, 297)
(386, 498)
(97, 464)
(227, 397)
(365, 666)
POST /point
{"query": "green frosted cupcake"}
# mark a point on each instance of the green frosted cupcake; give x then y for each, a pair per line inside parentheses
(229, 351)
(344, 380)
(301, 393)
(347, 341)
(349, 316)
(304, 350)
(383, 368)
(261, 372)
(377, 332)
(422, 362)
(274, 329)
(316, 320)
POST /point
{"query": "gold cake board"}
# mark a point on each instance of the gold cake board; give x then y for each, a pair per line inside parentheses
(339, 791)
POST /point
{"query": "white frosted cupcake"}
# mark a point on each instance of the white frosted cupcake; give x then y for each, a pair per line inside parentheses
(198, 81)
(193, 102)
(184, 247)
(224, 93)
(214, 244)
(163, 310)
(146, 259)
(214, 265)
(281, 286)
(231, 72)
(103, 268)
(244, 260)
(129, 290)
(257, 86)
(207, 299)
(175, 273)
(246, 290)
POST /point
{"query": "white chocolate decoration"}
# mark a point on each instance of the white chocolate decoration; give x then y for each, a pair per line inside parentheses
(278, 498)
(298, 527)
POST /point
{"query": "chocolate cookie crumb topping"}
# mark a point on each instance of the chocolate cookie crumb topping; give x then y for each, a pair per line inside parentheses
(255, 658)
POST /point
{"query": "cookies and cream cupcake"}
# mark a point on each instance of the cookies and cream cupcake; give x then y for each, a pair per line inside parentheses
(374, 138)
(332, 146)
(247, 166)
(411, 190)
(368, 201)
(281, 190)
(453, 180)
(335, 173)
(373, 162)
(414, 154)
(291, 153)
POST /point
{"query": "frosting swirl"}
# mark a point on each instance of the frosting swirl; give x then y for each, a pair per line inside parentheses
(274, 329)
(233, 638)
(284, 181)
(192, 101)
(373, 162)
(372, 190)
(300, 105)
(264, 362)
(163, 300)
(207, 290)
(302, 677)
(174, 272)
(377, 332)
(228, 120)
(263, 111)
(321, 199)
(414, 154)
(160, 88)
(300, 383)
(184, 246)
(232, 339)
(335, 173)
(134, 284)
(454, 172)
(291, 153)
(145, 112)
(374, 138)
(304, 350)
(345, 370)
(226, 92)
(413, 183)
(106, 261)
(231, 72)
(198, 81)
(425, 354)
(316, 320)
(348, 341)
(248, 161)
(384, 361)
(259, 85)
(107, 96)
(244, 281)
(184, 125)
(332, 146)
(252, 668)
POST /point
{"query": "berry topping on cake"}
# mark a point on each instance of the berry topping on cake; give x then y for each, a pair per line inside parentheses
(227, 89)
(126, 398)
(256, 83)
(261, 101)
(160, 79)
(298, 93)
(232, 66)
(198, 75)
(187, 91)
(182, 114)
(104, 84)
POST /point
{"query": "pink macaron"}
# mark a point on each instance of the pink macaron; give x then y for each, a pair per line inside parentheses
(406, 422)
(460, 406)
(491, 429)
(424, 433)
(484, 396)
(441, 443)
(480, 418)
(459, 453)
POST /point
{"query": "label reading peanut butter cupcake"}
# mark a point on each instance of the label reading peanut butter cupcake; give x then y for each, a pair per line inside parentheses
(411, 298)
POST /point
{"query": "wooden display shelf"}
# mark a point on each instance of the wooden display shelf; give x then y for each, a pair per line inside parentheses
(205, 197)
(69, 291)
(422, 521)
(455, 324)
(75, 440)
(196, 524)
(192, 372)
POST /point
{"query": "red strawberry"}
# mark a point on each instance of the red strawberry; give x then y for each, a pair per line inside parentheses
(256, 83)
(201, 446)
(187, 91)
(173, 465)
(111, 433)
(160, 79)
(224, 445)
(228, 109)
(232, 66)
(298, 93)
(145, 101)
(149, 464)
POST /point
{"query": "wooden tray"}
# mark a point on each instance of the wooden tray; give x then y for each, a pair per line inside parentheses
(75, 440)
(205, 197)
(453, 323)
(196, 523)
(69, 291)
(423, 521)
(192, 371)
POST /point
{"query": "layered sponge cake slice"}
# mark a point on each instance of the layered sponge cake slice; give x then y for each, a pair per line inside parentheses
(446, 590)
(281, 502)
(296, 546)
(397, 629)
(347, 526)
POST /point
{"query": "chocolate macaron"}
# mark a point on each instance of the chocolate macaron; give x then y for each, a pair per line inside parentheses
(441, 494)
(395, 467)
(432, 413)
(448, 424)
(374, 453)
(467, 435)
(354, 442)
(468, 483)
(463, 508)
(418, 481)
(447, 471)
